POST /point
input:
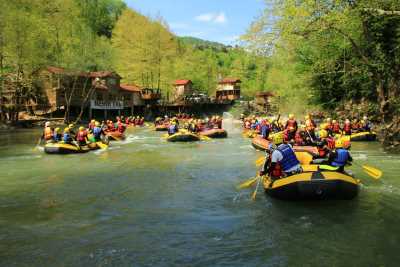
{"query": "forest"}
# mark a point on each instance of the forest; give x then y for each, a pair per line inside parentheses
(342, 56)
(92, 35)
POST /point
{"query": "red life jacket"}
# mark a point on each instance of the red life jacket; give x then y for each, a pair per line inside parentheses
(298, 139)
(81, 136)
(336, 128)
(277, 171)
(331, 142)
(347, 127)
(121, 127)
(321, 152)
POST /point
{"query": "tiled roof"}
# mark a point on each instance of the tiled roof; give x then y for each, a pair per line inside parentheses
(182, 82)
(230, 80)
(130, 88)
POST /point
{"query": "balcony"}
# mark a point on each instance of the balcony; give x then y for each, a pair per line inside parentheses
(106, 105)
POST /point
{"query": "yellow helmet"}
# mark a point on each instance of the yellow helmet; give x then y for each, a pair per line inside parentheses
(339, 143)
(97, 123)
(71, 126)
(328, 120)
(66, 130)
(323, 133)
(57, 130)
(277, 138)
(92, 121)
(334, 121)
(307, 117)
(81, 128)
(291, 116)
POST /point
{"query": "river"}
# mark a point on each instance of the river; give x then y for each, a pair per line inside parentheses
(146, 202)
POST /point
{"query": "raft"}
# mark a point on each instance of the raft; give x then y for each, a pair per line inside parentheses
(162, 127)
(183, 137)
(315, 185)
(61, 148)
(115, 136)
(363, 136)
(260, 143)
(214, 133)
(248, 133)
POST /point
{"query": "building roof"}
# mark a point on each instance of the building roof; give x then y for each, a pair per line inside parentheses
(103, 74)
(56, 70)
(182, 82)
(264, 94)
(130, 88)
(230, 80)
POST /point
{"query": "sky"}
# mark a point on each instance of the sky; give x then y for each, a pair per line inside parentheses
(221, 21)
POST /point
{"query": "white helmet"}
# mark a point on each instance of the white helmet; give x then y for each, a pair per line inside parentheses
(47, 124)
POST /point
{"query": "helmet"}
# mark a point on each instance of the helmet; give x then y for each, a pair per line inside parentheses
(334, 121)
(97, 124)
(277, 138)
(347, 121)
(328, 120)
(307, 117)
(71, 125)
(346, 144)
(339, 143)
(81, 128)
(57, 130)
(47, 124)
(365, 118)
(323, 133)
(66, 130)
(291, 116)
(92, 121)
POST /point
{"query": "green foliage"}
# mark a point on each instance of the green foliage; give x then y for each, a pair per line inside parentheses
(340, 50)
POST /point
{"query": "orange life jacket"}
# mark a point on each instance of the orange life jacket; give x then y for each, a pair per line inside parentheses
(291, 123)
(48, 133)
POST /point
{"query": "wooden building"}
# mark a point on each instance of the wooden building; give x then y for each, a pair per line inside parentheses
(99, 93)
(228, 89)
(183, 88)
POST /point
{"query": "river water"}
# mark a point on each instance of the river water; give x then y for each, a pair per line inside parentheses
(146, 202)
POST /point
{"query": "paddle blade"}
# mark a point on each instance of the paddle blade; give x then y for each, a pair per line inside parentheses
(101, 145)
(204, 138)
(260, 161)
(248, 183)
(373, 172)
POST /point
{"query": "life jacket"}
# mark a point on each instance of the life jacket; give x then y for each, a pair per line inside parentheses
(57, 137)
(347, 128)
(48, 133)
(331, 143)
(265, 131)
(67, 138)
(277, 171)
(342, 155)
(81, 136)
(289, 157)
(97, 132)
(336, 127)
(309, 126)
(291, 123)
(321, 152)
(121, 127)
(172, 129)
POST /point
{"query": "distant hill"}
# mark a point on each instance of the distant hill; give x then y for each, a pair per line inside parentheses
(203, 44)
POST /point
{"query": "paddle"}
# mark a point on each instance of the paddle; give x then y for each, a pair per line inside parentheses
(101, 145)
(204, 138)
(248, 183)
(260, 161)
(371, 171)
(253, 196)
